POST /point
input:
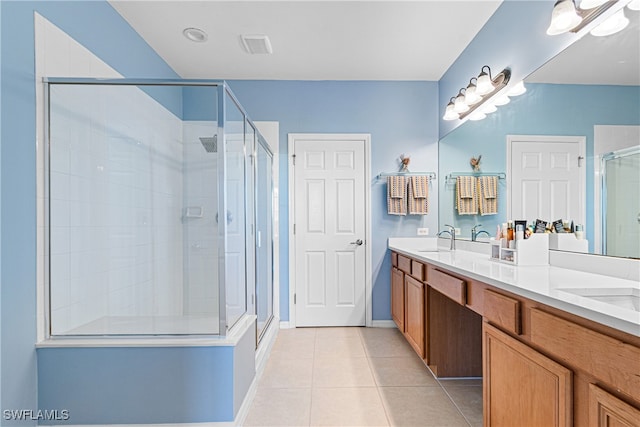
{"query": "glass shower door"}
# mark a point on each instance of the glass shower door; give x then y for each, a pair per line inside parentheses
(622, 203)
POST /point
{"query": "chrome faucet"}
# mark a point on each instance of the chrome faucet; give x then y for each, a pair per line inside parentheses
(475, 234)
(452, 234)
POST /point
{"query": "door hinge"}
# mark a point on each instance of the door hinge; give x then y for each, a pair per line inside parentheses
(580, 159)
(293, 156)
(294, 229)
(294, 298)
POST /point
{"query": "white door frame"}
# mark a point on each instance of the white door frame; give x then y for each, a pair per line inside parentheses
(582, 185)
(293, 137)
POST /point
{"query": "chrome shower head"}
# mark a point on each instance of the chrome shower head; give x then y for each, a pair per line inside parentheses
(210, 144)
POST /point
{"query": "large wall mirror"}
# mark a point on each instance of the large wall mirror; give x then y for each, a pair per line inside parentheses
(589, 96)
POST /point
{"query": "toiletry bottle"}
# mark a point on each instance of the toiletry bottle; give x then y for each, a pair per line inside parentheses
(579, 232)
(519, 234)
(510, 234)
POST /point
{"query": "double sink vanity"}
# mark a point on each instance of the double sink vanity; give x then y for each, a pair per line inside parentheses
(555, 346)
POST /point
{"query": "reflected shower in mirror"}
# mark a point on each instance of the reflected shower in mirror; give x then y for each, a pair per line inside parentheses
(589, 92)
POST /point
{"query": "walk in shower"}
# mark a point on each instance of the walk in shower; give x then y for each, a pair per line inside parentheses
(159, 218)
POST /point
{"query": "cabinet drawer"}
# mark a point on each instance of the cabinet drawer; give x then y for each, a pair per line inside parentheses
(450, 286)
(418, 270)
(604, 357)
(394, 259)
(502, 311)
(404, 264)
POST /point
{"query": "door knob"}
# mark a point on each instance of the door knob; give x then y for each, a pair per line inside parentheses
(357, 242)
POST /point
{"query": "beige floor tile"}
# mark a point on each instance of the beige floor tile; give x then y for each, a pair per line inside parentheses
(468, 399)
(420, 406)
(342, 372)
(280, 407)
(338, 333)
(294, 348)
(385, 342)
(401, 371)
(283, 373)
(338, 348)
(452, 382)
(347, 407)
(297, 333)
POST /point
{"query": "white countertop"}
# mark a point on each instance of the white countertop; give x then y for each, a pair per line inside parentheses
(539, 283)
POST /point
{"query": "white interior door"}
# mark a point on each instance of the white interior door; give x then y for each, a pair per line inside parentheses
(330, 232)
(547, 178)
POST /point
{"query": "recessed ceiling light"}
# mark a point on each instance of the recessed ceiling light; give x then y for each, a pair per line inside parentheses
(195, 35)
(256, 44)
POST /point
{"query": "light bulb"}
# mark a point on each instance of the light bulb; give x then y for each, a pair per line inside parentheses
(502, 100)
(613, 24)
(517, 89)
(563, 18)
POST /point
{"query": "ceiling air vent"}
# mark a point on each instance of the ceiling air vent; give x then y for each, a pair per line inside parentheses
(256, 44)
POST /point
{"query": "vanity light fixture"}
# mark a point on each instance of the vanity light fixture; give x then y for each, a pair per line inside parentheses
(566, 17)
(449, 112)
(460, 106)
(472, 100)
(613, 24)
(195, 35)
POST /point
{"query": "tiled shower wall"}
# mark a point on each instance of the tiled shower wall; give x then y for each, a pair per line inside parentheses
(116, 205)
(200, 220)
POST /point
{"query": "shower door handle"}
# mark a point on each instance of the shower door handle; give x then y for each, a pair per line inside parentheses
(358, 242)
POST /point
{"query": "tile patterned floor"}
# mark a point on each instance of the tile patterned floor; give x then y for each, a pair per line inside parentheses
(357, 377)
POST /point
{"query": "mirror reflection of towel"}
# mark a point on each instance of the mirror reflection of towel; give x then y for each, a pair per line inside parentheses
(466, 195)
(396, 195)
(419, 195)
(488, 191)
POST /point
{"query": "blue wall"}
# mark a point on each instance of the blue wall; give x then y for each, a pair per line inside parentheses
(99, 28)
(545, 109)
(401, 118)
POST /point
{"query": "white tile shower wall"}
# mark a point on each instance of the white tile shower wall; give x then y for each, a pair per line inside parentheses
(118, 198)
(200, 226)
(57, 55)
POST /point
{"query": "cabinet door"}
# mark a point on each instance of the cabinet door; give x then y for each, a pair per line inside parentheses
(606, 410)
(397, 297)
(415, 315)
(521, 386)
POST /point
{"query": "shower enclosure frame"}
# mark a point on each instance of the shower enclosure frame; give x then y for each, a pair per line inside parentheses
(223, 91)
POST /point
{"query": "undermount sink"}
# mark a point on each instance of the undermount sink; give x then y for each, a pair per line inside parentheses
(628, 298)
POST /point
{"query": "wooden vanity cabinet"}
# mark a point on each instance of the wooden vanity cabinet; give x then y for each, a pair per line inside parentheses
(521, 386)
(397, 297)
(606, 410)
(415, 314)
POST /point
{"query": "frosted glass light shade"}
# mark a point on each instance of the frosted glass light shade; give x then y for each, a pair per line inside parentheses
(477, 115)
(518, 89)
(613, 24)
(502, 100)
(590, 4)
(449, 114)
(634, 5)
(470, 95)
(563, 18)
(484, 85)
(488, 108)
(460, 106)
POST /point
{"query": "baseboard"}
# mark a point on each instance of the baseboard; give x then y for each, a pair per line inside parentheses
(383, 324)
(285, 325)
